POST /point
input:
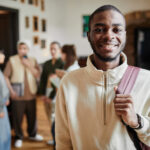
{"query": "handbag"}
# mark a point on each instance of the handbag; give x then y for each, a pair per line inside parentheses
(125, 87)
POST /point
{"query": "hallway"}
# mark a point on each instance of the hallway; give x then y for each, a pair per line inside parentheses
(43, 129)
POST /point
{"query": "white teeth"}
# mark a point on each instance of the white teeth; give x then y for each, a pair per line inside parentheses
(109, 46)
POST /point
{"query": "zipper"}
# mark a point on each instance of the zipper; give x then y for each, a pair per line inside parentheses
(105, 97)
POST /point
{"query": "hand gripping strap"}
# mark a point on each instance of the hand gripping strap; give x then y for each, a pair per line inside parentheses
(125, 87)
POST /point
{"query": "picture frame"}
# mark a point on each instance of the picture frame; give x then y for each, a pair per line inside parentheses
(27, 22)
(35, 40)
(30, 2)
(43, 43)
(36, 2)
(85, 27)
(42, 5)
(22, 1)
(35, 23)
(43, 25)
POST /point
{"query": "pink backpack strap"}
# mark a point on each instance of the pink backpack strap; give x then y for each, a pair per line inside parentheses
(125, 87)
(128, 80)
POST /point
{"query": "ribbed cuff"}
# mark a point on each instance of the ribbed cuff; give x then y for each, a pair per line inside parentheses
(145, 127)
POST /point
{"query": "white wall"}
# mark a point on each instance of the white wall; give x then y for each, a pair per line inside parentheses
(75, 9)
(64, 20)
(27, 34)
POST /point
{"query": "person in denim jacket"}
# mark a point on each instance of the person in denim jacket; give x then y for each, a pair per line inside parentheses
(5, 134)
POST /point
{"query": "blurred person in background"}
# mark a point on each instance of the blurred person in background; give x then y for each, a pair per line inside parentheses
(47, 90)
(5, 134)
(69, 57)
(21, 73)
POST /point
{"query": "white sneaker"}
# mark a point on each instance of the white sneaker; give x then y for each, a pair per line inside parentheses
(50, 142)
(18, 143)
(38, 137)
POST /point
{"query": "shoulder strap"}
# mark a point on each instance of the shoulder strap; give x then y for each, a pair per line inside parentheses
(125, 87)
(128, 80)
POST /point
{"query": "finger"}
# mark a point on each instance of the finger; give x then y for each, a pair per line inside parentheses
(115, 88)
(123, 100)
(121, 111)
(123, 96)
(122, 106)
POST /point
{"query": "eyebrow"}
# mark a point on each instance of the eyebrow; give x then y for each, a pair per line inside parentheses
(102, 24)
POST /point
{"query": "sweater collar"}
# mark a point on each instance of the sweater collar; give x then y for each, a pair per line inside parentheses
(113, 75)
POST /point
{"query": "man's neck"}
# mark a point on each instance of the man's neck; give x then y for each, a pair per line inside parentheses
(54, 60)
(101, 65)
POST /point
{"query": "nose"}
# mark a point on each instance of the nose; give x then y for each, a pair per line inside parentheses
(109, 35)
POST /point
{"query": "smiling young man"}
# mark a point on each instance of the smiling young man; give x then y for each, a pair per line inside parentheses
(88, 110)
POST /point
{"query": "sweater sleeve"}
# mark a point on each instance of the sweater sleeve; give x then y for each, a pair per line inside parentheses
(63, 138)
(144, 133)
(4, 92)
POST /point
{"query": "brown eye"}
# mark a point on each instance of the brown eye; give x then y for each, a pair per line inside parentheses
(98, 30)
(117, 30)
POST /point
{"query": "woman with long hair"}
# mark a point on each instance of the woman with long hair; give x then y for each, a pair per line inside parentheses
(69, 57)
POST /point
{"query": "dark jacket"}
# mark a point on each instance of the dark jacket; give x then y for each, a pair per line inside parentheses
(48, 69)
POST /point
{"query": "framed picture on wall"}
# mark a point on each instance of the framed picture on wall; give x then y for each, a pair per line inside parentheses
(42, 5)
(35, 23)
(22, 1)
(85, 27)
(27, 22)
(43, 21)
(35, 40)
(30, 2)
(36, 2)
(43, 43)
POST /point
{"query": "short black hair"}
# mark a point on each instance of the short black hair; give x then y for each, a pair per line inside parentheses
(101, 9)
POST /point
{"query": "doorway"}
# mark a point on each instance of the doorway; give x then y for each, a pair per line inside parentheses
(9, 32)
(143, 47)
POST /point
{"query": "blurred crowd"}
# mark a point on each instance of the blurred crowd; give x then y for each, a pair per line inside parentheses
(22, 81)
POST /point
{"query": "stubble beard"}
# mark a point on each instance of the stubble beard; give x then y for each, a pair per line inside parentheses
(107, 59)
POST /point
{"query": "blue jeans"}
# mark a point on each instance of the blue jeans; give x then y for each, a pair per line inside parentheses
(5, 134)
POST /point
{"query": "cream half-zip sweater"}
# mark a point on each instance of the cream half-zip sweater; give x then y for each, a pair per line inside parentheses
(85, 115)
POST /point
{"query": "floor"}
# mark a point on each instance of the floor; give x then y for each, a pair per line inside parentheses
(43, 129)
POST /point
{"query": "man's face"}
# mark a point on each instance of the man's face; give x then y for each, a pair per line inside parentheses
(22, 50)
(107, 35)
(54, 50)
